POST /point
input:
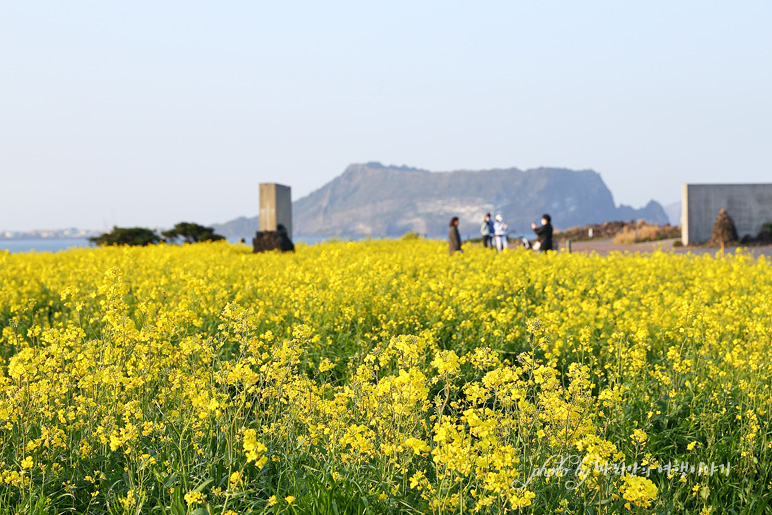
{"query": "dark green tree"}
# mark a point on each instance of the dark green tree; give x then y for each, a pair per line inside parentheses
(127, 236)
(192, 233)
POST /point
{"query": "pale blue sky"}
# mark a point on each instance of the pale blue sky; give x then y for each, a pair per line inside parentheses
(148, 113)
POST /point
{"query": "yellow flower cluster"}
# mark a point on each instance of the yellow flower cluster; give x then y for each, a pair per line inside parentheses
(183, 376)
(638, 490)
(253, 450)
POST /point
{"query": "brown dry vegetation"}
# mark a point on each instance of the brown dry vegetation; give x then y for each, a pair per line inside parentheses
(621, 232)
(645, 232)
(599, 231)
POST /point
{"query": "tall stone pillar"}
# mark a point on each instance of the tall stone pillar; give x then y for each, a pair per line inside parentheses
(275, 207)
(275, 219)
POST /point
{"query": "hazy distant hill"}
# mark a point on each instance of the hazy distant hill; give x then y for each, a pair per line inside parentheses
(673, 212)
(375, 200)
(241, 227)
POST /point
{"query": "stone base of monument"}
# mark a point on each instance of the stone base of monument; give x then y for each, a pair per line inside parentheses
(272, 240)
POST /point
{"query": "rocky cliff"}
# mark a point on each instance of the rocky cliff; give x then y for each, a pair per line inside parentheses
(376, 200)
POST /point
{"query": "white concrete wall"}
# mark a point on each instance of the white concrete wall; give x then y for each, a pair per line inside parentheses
(748, 205)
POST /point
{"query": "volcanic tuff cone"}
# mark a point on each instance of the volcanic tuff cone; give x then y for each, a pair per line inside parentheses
(371, 199)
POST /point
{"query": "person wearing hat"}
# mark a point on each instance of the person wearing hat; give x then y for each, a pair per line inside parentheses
(500, 233)
(544, 232)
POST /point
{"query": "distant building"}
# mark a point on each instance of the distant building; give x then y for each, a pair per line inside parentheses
(749, 206)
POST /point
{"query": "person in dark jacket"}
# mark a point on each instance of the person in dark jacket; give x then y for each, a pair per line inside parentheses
(454, 239)
(544, 232)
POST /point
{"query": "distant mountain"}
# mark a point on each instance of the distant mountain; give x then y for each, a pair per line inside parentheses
(376, 200)
(673, 212)
(241, 227)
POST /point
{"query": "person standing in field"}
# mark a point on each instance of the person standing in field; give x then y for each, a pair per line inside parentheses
(500, 233)
(486, 231)
(544, 233)
(454, 239)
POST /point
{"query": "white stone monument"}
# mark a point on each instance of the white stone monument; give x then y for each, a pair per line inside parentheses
(275, 219)
(275, 207)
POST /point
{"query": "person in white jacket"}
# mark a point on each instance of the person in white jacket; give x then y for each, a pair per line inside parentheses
(500, 233)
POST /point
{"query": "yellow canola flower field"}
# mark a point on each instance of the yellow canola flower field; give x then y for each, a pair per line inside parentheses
(383, 377)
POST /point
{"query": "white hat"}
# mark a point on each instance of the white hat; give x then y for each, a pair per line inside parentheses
(499, 218)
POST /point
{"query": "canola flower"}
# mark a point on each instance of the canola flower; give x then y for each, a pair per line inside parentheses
(168, 378)
(638, 490)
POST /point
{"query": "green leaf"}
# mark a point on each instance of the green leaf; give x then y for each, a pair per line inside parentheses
(178, 508)
(762, 507)
(169, 481)
(203, 485)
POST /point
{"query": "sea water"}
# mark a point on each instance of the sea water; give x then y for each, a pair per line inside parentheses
(43, 244)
